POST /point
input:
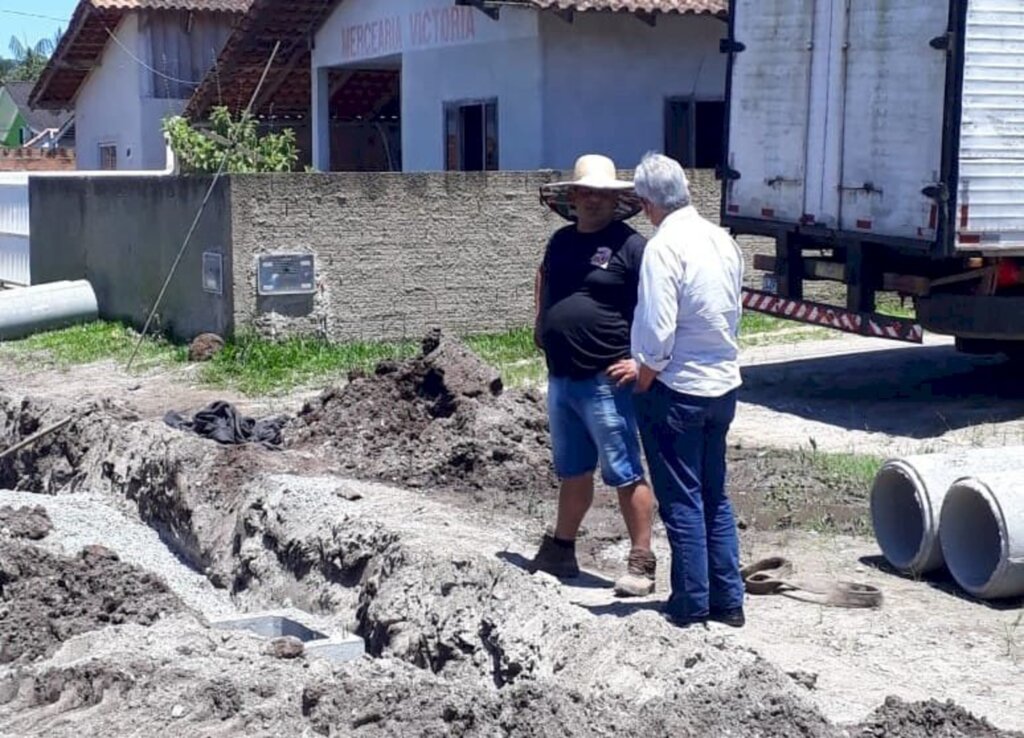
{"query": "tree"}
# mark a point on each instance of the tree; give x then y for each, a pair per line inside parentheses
(28, 62)
(6, 67)
(201, 150)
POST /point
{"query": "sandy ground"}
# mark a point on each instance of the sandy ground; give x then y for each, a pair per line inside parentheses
(927, 641)
(865, 395)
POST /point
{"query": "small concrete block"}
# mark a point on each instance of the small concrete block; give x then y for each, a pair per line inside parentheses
(290, 635)
(339, 649)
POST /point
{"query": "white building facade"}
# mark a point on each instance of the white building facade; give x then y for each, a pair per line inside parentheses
(125, 67)
(530, 89)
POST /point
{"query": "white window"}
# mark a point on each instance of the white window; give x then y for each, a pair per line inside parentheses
(471, 135)
(108, 156)
(694, 131)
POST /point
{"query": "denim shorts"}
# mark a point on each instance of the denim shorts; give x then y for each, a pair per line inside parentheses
(592, 421)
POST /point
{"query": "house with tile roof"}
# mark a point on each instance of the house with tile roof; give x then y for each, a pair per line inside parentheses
(428, 85)
(23, 125)
(123, 66)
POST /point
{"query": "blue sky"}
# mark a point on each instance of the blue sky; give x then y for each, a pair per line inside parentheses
(13, 23)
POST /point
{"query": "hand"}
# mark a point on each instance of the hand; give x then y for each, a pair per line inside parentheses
(645, 378)
(623, 372)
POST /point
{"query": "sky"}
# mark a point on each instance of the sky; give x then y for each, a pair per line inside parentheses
(20, 18)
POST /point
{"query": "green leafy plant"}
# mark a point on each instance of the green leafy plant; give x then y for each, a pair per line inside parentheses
(202, 149)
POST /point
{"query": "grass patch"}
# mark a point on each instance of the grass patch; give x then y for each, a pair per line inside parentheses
(893, 306)
(97, 341)
(858, 469)
(505, 348)
(513, 354)
(759, 329)
(256, 366)
(751, 323)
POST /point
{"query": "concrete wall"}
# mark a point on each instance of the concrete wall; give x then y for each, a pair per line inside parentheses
(396, 253)
(607, 77)
(122, 234)
(108, 109)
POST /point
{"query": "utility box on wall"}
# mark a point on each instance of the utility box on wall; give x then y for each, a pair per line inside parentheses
(286, 274)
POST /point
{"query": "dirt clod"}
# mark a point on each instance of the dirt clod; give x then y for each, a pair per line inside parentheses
(32, 523)
(286, 647)
(205, 346)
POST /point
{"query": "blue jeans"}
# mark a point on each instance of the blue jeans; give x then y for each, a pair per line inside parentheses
(684, 440)
(592, 421)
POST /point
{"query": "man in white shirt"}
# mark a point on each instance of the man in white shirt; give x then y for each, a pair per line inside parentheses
(684, 342)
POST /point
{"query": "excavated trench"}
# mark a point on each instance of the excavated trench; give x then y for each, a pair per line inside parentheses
(465, 644)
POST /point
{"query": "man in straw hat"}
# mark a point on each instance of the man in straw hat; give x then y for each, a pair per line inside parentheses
(685, 342)
(585, 295)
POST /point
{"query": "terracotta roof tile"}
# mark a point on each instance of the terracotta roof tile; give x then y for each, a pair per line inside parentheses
(683, 7)
(213, 6)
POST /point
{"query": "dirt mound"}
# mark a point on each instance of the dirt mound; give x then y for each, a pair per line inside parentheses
(438, 421)
(929, 719)
(55, 461)
(186, 680)
(47, 599)
(25, 522)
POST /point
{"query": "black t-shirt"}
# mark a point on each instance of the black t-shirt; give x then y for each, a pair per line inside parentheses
(589, 295)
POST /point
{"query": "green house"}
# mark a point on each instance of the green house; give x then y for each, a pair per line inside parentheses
(21, 124)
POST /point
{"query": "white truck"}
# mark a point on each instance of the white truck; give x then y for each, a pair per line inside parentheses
(880, 143)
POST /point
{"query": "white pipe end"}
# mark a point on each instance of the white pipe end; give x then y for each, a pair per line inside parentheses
(976, 540)
(903, 519)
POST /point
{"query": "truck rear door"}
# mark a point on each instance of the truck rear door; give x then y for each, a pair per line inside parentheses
(894, 103)
(768, 124)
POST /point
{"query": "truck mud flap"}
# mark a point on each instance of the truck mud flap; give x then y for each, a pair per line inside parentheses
(830, 316)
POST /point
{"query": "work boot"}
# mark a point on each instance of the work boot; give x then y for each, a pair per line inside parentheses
(638, 581)
(557, 558)
(733, 617)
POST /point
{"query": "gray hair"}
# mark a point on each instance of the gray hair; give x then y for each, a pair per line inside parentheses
(662, 182)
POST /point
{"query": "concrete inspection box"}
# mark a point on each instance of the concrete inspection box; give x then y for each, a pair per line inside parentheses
(338, 647)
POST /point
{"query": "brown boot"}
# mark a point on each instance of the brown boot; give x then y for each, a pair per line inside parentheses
(557, 558)
(638, 581)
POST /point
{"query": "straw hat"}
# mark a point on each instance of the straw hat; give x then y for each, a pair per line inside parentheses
(595, 172)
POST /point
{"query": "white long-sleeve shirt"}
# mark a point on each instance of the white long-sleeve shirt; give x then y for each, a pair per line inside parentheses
(689, 306)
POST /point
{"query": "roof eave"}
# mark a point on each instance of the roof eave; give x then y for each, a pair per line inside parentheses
(37, 98)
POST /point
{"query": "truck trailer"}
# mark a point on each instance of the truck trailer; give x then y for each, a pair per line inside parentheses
(880, 144)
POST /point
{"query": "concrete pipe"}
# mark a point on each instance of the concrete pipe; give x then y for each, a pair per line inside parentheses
(29, 310)
(982, 533)
(906, 501)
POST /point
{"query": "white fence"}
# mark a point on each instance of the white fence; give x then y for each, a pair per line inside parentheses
(14, 242)
(14, 216)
